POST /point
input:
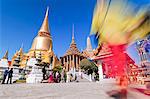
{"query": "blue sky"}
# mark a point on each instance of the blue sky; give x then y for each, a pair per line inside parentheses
(20, 21)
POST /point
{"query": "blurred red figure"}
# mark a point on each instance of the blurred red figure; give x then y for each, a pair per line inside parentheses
(50, 80)
(119, 64)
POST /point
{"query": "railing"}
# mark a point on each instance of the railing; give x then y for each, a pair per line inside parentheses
(88, 77)
(81, 74)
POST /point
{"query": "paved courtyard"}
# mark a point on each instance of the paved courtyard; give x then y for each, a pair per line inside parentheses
(84, 90)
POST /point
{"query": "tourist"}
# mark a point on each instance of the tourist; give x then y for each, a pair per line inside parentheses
(5, 75)
(75, 77)
(71, 76)
(44, 72)
(62, 75)
(10, 74)
(58, 77)
(50, 79)
(65, 77)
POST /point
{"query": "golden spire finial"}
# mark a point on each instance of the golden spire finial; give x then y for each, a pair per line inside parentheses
(5, 55)
(45, 25)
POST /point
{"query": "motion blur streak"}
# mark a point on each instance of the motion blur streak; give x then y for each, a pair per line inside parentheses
(120, 22)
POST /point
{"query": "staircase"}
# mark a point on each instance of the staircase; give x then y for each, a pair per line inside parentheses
(81, 77)
(87, 77)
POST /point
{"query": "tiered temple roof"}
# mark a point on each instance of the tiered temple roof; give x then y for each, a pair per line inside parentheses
(73, 50)
(102, 51)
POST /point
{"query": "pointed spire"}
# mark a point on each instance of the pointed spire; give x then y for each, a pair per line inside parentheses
(73, 34)
(5, 55)
(45, 25)
(21, 49)
(73, 31)
(89, 46)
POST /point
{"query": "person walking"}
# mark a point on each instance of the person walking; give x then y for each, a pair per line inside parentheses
(10, 75)
(56, 76)
(75, 77)
(71, 76)
(44, 72)
(59, 77)
(5, 75)
(65, 77)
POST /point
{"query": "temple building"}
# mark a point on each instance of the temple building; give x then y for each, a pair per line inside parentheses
(42, 44)
(103, 56)
(72, 57)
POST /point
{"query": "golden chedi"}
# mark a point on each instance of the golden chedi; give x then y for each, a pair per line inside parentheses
(43, 41)
(42, 44)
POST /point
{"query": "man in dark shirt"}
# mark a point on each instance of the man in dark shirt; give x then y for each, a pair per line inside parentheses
(10, 75)
(5, 75)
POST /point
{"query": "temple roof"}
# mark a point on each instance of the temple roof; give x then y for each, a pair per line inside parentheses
(73, 50)
(102, 51)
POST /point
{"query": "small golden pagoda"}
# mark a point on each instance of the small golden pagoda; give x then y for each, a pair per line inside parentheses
(42, 44)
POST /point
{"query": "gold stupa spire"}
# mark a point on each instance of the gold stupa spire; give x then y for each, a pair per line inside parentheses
(5, 55)
(43, 41)
(45, 26)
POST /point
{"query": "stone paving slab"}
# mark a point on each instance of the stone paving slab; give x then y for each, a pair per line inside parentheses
(53, 91)
(86, 90)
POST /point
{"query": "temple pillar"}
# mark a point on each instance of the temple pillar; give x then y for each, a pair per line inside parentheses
(79, 59)
(64, 62)
(70, 65)
(67, 63)
(77, 66)
(100, 71)
(73, 61)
